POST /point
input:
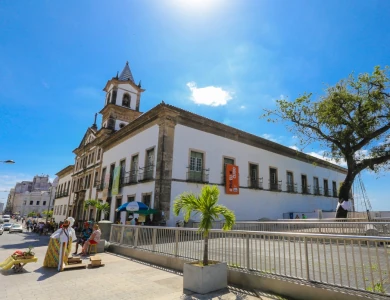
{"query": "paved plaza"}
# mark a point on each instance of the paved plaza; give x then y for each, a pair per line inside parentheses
(120, 278)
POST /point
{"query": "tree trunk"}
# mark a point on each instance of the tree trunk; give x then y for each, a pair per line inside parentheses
(344, 192)
(206, 250)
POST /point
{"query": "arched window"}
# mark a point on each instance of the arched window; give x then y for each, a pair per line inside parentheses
(108, 98)
(113, 96)
(126, 100)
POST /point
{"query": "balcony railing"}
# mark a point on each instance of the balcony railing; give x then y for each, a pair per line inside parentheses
(292, 187)
(335, 193)
(317, 190)
(255, 183)
(273, 186)
(146, 173)
(327, 192)
(198, 176)
(130, 177)
(61, 194)
(99, 185)
(306, 189)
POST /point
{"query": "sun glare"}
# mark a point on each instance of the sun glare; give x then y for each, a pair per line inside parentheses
(196, 4)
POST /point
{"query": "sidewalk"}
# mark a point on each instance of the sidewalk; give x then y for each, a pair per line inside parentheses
(120, 278)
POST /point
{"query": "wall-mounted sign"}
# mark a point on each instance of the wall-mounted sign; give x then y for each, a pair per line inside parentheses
(115, 182)
(232, 183)
(105, 187)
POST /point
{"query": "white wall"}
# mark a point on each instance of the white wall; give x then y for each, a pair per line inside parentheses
(58, 209)
(249, 204)
(137, 144)
(256, 204)
(25, 199)
(118, 123)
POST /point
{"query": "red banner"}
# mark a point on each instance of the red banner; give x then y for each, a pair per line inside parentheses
(232, 185)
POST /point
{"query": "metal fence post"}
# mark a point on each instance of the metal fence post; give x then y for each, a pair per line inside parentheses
(136, 237)
(121, 238)
(110, 240)
(319, 227)
(154, 238)
(307, 259)
(247, 252)
(176, 242)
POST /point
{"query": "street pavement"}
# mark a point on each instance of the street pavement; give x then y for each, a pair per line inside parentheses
(120, 278)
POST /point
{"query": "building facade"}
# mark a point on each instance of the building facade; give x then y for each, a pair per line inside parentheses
(61, 207)
(31, 196)
(153, 157)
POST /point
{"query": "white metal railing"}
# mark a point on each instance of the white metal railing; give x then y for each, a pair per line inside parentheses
(354, 228)
(360, 262)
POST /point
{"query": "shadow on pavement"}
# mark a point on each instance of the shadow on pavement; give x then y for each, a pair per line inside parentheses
(46, 273)
(188, 295)
(30, 241)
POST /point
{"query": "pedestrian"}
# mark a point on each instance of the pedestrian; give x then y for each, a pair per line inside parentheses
(303, 216)
(85, 234)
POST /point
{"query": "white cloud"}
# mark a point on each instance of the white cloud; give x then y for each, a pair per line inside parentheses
(320, 155)
(209, 95)
(270, 137)
(294, 148)
(8, 181)
(242, 107)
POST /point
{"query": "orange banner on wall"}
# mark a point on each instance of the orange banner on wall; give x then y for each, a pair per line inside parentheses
(232, 183)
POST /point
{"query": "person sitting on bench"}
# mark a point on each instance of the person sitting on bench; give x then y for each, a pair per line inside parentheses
(93, 239)
(85, 234)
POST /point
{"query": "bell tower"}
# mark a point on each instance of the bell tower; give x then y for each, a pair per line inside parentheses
(122, 100)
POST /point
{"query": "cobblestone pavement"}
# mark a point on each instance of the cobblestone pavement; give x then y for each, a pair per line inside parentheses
(120, 278)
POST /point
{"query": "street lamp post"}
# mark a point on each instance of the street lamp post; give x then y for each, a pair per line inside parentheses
(8, 161)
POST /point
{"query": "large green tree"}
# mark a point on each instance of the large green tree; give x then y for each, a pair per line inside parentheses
(351, 121)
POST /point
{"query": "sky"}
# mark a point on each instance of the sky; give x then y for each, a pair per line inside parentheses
(224, 59)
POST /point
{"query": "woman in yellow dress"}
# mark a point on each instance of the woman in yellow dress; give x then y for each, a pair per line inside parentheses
(64, 234)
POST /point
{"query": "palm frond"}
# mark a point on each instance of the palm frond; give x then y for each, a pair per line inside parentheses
(227, 214)
(187, 203)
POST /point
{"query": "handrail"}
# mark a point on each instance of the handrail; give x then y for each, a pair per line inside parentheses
(358, 262)
(270, 233)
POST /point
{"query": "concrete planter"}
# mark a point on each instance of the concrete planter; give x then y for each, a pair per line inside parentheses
(205, 279)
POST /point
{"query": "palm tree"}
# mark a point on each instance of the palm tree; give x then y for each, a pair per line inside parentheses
(103, 208)
(47, 213)
(206, 205)
(88, 203)
(100, 207)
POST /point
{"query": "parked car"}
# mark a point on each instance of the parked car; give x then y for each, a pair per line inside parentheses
(6, 218)
(1, 229)
(16, 228)
(7, 226)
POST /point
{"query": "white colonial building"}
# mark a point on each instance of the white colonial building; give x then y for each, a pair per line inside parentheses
(154, 156)
(61, 207)
(32, 196)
